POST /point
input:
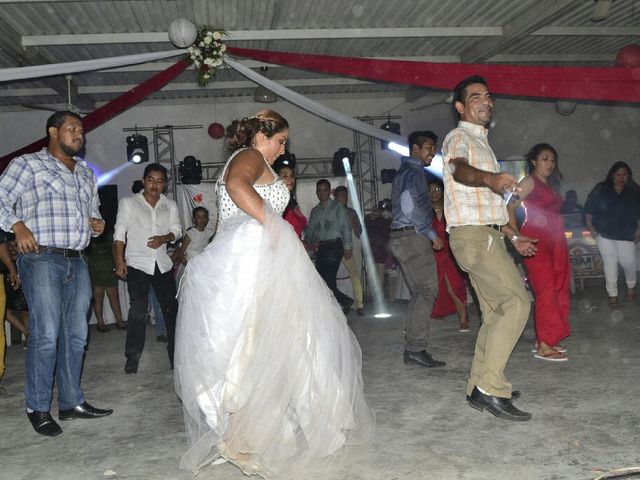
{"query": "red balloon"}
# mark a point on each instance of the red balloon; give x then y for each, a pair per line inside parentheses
(216, 131)
(628, 56)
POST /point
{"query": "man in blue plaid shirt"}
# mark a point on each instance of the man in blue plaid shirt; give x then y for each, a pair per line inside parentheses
(56, 213)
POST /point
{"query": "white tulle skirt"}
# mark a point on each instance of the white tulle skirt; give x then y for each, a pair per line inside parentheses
(267, 369)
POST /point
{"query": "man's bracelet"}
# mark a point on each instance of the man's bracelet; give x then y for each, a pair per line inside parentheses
(514, 239)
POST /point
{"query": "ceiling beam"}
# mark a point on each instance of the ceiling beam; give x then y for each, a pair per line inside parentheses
(604, 31)
(18, 2)
(534, 18)
(10, 46)
(216, 85)
(289, 34)
(547, 58)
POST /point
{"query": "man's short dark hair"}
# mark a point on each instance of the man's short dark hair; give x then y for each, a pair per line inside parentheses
(418, 138)
(155, 167)
(341, 188)
(199, 208)
(323, 181)
(58, 118)
(137, 186)
(460, 91)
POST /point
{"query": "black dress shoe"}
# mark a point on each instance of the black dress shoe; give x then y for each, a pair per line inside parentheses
(514, 395)
(44, 424)
(103, 328)
(132, 364)
(83, 411)
(422, 358)
(498, 406)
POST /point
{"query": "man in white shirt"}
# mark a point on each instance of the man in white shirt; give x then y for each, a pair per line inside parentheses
(147, 222)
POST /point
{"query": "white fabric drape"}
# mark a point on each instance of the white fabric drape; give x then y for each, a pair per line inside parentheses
(37, 71)
(316, 108)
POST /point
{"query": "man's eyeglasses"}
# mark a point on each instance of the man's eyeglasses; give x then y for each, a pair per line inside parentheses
(435, 189)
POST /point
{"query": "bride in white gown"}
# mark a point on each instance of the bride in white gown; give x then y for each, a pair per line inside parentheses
(267, 369)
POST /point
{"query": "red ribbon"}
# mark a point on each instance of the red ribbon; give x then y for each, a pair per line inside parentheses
(608, 84)
(108, 111)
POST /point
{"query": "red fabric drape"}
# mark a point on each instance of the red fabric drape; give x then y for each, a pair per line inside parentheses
(111, 109)
(611, 84)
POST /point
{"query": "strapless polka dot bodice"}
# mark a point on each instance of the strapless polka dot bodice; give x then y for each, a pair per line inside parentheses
(275, 193)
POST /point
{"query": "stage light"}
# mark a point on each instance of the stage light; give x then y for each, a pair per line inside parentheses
(337, 165)
(392, 127)
(137, 148)
(401, 149)
(379, 308)
(190, 170)
(287, 159)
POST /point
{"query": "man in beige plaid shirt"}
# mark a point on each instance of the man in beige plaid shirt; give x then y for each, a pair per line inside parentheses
(476, 217)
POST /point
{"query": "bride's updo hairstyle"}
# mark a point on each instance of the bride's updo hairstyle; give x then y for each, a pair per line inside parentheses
(242, 132)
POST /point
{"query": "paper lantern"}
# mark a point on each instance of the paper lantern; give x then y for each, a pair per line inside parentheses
(216, 131)
(628, 56)
(182, 32)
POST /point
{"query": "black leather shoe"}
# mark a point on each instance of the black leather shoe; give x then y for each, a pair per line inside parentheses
(498, 406)
(132, 364)
(44, 424)
(83, 411)
(514, 395)
(422, 358)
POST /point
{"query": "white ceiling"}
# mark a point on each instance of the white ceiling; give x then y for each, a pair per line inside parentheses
(538, 32)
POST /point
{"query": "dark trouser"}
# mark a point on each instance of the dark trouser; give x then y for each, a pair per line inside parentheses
(417, 262)
(328, 258)
(138, 285)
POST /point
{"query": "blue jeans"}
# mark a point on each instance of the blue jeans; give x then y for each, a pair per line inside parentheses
(157, 313)
(58, 291)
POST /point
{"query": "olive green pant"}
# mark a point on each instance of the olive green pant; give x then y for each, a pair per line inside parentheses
(480, 251)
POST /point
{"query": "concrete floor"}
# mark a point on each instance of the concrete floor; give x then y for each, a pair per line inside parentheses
(585, 411)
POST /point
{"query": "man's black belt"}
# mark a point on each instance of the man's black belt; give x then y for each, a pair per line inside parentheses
(326, 243)
(403, 229)
(494, 226)
(65, 252)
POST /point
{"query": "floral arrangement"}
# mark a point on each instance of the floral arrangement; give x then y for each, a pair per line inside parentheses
(207, 53)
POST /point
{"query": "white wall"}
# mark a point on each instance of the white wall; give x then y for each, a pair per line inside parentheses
(588, 141)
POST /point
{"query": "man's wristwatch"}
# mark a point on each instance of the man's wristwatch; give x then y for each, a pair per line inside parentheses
(514, 239)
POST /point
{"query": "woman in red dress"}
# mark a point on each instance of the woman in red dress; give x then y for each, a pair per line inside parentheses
(548, 270)
(452, 289)
(285, 166)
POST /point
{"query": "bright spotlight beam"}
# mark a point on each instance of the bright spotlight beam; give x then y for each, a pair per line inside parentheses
(370, 266)
(107, 176)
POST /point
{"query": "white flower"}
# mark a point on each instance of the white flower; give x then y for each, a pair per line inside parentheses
(196, 63)
(206, 76)
(217, 36)
(223, 48)
(207, 40)
(208, 61)
(217, 62)
(198, 52)
(201, 44)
